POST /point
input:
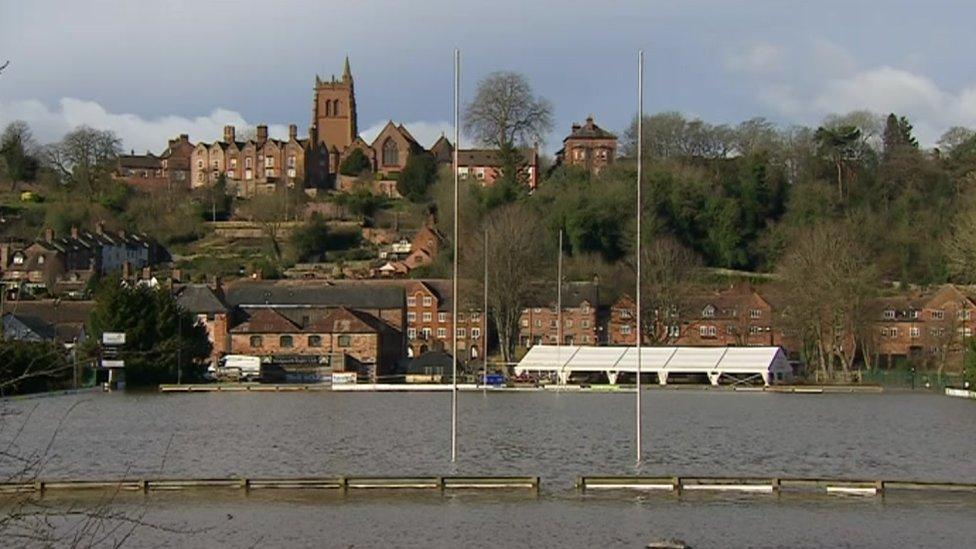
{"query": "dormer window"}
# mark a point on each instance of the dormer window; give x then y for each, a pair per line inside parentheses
(18, 259)
(40, 260)
(889, 313)
(708, 311)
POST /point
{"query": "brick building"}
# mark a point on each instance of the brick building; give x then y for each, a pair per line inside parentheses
(538, 323)
(207, 304)
(588, 146)
(737, 316)
(351, 327)
(484, 165)
(928, 328)
(168, 171)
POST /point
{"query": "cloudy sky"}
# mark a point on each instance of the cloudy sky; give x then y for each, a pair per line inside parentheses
(150, 70)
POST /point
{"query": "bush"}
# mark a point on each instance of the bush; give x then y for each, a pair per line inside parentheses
(312, 240)
(354, 164)
(417, 176)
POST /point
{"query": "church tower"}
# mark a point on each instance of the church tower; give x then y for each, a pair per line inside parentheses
(334, 111)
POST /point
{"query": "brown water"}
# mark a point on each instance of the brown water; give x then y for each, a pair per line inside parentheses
(556, 436)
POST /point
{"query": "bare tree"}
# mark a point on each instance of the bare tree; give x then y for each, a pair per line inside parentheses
(516, 258)
(506, 113)
(960, 244)
(85, 157)
(669, 273)
(829, 281)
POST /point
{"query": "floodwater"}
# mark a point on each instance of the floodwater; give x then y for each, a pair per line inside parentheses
(557, 436)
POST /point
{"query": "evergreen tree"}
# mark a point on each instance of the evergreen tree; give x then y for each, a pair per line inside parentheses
(417, 176)
(897, 134)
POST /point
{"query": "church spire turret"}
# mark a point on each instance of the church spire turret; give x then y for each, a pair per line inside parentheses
(346, 73)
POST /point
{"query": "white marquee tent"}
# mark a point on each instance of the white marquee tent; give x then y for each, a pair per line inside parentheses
(736, 363)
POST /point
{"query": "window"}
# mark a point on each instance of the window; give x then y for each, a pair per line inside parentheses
(963, 314)
(248, 174)
(247, 162)
(938, 315)
(40, 260)
(427, 316)
(755, 313)
(475, 317)
(233, 162)
(460, 317)
(428, 301)
(913, 313)
(553, 324)
(892, 332)
(585, 323)
(215, 164)
(625, 329)
(538, 323)
(200, 163)
(18, 259)
(914, 331)
(568, 323)
(256, 342)
(441, 333)
(391, 153)
(269, 162)
(755, 329)
(708, 312)
(411, 333)
(411, 301)
(475, 333)
(461, 333)
(426, 333)
(674, 330)
(537, 310)
(285, 341)
(525, 321)
(442, 317)
(291, 161)
(707, 331)
(889, 313)
(344, 341)
(314, 341)
(411, 316)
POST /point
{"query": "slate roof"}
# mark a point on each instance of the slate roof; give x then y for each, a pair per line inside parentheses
(489, 157)
(139, 161)
(589, 130)
(346, 321)
(433, 360)
(312, 293)
(199, 299)
(66, 318)
(264, 321)
(574, 294)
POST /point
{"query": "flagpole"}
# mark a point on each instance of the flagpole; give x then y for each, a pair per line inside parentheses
(640, 166)
(454, 279)
(484, 325)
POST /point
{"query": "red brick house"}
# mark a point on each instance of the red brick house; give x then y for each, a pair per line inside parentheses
(539, 323)
(588, 146)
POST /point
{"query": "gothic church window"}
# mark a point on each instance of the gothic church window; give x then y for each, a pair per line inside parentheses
(391, 154)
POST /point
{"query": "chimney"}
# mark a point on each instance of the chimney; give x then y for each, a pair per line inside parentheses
(176, 275)
(185, 137)
(49, 234)
(100, 227)
(576, 127)
(228, 134)
(147, 273)
(292, 131)
(262, 133)
(74, 232)
(126, 270)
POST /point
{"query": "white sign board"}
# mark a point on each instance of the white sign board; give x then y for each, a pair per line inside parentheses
(113, 363)
(343, 378)
(113, 338)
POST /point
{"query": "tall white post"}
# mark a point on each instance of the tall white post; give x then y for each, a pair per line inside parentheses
(454, 278)
(484, 321)
(559, 298)
(640, 206)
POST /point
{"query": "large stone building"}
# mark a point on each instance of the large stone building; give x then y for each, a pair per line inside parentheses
(168, 171)
(588, 146)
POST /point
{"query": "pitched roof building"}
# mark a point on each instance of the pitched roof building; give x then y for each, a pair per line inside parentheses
(588, 146)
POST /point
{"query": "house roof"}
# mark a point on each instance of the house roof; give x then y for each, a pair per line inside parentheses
(266, 321)
(346, 321)
(200, 298)
(139, 161)
(297, 293)
(589, 130)
(39, 327)
(573, 295)
(432, 359)
(66, 318)
(490, 157)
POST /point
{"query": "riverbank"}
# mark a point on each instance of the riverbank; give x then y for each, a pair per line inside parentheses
(471, 387)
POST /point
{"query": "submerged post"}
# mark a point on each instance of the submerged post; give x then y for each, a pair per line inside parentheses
(640, 163)
(454, 278)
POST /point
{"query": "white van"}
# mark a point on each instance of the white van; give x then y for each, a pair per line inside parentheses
(242, 367)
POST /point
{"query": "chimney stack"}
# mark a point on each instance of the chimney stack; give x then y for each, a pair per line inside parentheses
(126, 270)
(228, 134)
(74, 232)
(292, 131)
(49, 234)
(262, 133)
(100, 227)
